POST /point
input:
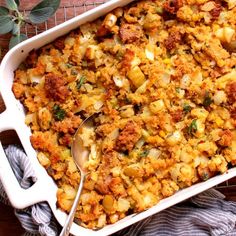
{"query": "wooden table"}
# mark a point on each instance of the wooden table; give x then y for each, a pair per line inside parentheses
(9, 225)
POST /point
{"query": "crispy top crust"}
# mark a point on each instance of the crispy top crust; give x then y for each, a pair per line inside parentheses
(161, 76)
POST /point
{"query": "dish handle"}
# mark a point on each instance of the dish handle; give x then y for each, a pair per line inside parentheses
(6, 122)
(18, 197)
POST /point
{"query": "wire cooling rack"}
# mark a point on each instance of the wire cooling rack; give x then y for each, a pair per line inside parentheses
(64, 13)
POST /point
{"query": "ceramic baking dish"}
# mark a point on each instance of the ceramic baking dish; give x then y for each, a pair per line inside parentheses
(13, 119)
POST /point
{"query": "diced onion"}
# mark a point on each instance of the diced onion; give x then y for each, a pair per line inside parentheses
(185, 81)
(154, 152)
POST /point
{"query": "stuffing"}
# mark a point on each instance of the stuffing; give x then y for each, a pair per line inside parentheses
(128, 136)
(55, 87)
(161, 77)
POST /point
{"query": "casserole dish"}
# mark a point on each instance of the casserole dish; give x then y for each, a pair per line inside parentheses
(13, 109)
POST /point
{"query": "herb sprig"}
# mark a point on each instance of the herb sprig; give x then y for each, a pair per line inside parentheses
(12, 19)
(58, 113)
(193, 127)
(80, 81)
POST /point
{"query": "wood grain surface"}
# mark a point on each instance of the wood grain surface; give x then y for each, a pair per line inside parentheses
(9, 225)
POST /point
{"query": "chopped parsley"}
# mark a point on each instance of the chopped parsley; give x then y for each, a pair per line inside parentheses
(58, 113)
(193, 127)
(186, 108)
(69, 65)
(74, 72)
(144, 153)
(80, 81)
(207, 100)
(177, 90)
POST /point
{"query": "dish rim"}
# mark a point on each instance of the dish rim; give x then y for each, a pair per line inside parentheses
(14, 108)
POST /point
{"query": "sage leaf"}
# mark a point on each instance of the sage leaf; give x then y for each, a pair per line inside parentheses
(6, 24)
(40, 15)
(54, 4)
(11, 4)
(3, 11)
(16, 29)
(15, 39)
(17, 2)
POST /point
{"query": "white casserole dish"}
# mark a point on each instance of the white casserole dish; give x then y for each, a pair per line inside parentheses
(13, 118)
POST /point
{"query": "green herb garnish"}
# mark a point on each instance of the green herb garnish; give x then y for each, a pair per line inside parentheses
(144, 153)
(193, 127)
(80, 81)
(177, 90)
(58, 113)
(12, 19)
(69, 65)
(207, 100)
(187, 108)
(74, 72)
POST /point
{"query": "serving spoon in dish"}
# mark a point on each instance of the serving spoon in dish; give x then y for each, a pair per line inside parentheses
(80, 155)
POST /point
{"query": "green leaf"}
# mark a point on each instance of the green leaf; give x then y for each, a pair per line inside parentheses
(193, 127)
(80, 82)
(17, 2)
(58, 113)
(15, 39)
(187, 108)
(40, 15)
(207, 100)
(11, 4)
(69, 65)
(16, 29)
(6, 24)
(42, 7)
(3, 11)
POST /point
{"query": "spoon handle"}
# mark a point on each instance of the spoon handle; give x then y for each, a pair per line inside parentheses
(66, 228)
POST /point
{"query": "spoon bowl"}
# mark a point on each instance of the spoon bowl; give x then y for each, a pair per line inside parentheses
(80, 154)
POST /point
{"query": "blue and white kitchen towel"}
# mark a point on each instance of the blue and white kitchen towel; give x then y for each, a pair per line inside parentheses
(205, 214)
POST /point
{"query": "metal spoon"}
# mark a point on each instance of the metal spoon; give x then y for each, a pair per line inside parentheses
(80, 155)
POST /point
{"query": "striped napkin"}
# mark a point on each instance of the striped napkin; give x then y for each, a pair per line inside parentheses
(205, 214)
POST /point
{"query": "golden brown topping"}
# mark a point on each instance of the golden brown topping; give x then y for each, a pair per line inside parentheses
(55, 87)
(117, 186)
(128, 137)
(215, 12)
(130, 33)
(66, 140)
(18, 90)
(177, 115)
(226, 138)
(161, 76)
(231, 92)
(173, 39)
(172, 6)
(233, 112)
(60, 43)
(102, 31)
(127, 59)
(68, 125)
(102, 185)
